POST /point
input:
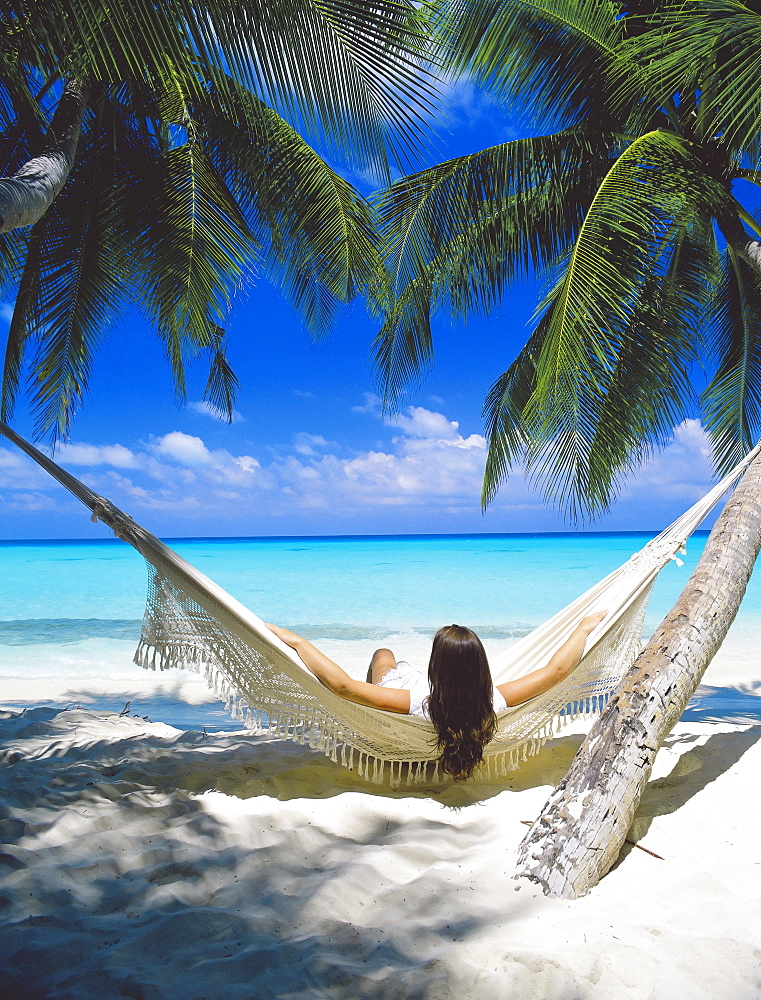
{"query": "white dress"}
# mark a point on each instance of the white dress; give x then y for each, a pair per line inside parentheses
(408, 678)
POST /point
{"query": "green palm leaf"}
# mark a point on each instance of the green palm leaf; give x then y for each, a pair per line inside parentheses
(77, 281)
(458, 233)
(346, 73)
(315, 228)
(713, 46)
(222, 384)
(732, 400)
(503, 411)
(191, 249)
(344, 70)
(548, 49)
(24, 319)
(632, 269)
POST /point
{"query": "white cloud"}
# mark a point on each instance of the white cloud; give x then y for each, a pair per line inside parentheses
(209, 410)
(186, 449)
(683, 469)
(304, 394)
(30, 502)
(6, 311)
(421, 423)
(429, 461)
(19, 472)
(309, 444)
(371, 405)
(92, 454)
(201, 464)
(428, 465)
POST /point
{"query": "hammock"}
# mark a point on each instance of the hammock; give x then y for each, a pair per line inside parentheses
(190, 622)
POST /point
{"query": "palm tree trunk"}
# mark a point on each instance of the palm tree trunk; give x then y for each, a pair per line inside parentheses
(584, 822)
(25, 197)
(737, 237)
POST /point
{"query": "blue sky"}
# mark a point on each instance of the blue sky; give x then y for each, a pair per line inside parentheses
(310, 451)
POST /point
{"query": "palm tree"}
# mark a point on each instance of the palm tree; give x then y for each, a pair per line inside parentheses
(631, 206)
(163, 152)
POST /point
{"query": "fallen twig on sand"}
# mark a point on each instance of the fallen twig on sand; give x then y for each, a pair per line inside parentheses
(530, 822)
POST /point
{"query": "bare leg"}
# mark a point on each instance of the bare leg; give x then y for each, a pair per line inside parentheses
(383, 660)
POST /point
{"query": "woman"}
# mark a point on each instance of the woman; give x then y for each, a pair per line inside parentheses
(458, 695)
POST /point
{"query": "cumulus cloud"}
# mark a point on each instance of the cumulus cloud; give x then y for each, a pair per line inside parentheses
(309, 444)
(201, 464)
(30, 502)
(185, 449)
(429, 461)
(683, 469)
(371, 405)
(92, 454)
(19, 472)
(427, 464)
(418, 422)
(209, 410)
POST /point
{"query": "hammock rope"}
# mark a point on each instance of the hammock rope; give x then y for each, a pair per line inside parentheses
(190, 622)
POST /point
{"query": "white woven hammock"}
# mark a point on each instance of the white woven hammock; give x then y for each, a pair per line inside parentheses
(191, 622)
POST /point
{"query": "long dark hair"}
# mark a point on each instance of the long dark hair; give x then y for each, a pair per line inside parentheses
(461, 703)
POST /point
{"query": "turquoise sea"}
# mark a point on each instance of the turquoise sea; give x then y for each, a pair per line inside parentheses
(70, 610)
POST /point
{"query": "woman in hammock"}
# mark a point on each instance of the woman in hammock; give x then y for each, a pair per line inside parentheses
(458, 695)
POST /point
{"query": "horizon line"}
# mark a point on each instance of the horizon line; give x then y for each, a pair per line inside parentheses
(351, 537)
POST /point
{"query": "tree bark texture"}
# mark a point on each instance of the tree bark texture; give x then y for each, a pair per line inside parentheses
(737, 237)
(29, 193)
(584, 823)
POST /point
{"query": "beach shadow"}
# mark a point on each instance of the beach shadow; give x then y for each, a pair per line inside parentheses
(693, 771)
(739, 704)
(247, 765)
(152, 892)
(185, 912)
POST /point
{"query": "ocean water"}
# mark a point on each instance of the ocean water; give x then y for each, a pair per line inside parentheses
(70, 610)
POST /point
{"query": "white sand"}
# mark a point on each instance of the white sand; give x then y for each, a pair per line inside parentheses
(143, 862)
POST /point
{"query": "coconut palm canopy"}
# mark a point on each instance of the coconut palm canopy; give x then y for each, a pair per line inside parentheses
(630, 206)
(184, 136)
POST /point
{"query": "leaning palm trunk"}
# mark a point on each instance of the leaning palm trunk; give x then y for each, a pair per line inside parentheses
(29, 193)
(583, 825)
(737, 237)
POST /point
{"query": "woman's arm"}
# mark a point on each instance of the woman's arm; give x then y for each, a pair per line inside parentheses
(338, 681)
(563, 662)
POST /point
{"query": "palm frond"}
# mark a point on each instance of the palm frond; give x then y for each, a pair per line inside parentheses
(503, 412)
(714, 47)
(459, 232)
(618, 334)
(24, 319)
(80, 286)
(315, 228)
(732, 399)
(222, 384)
(539, 53)
(103, 41)
(191, 248)
(348, 74)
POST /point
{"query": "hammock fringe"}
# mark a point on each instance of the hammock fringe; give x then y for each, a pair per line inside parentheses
(192, 623)
(308, 726)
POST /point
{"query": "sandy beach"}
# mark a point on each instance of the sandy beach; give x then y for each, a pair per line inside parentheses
(144, 862)
(147, 861)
